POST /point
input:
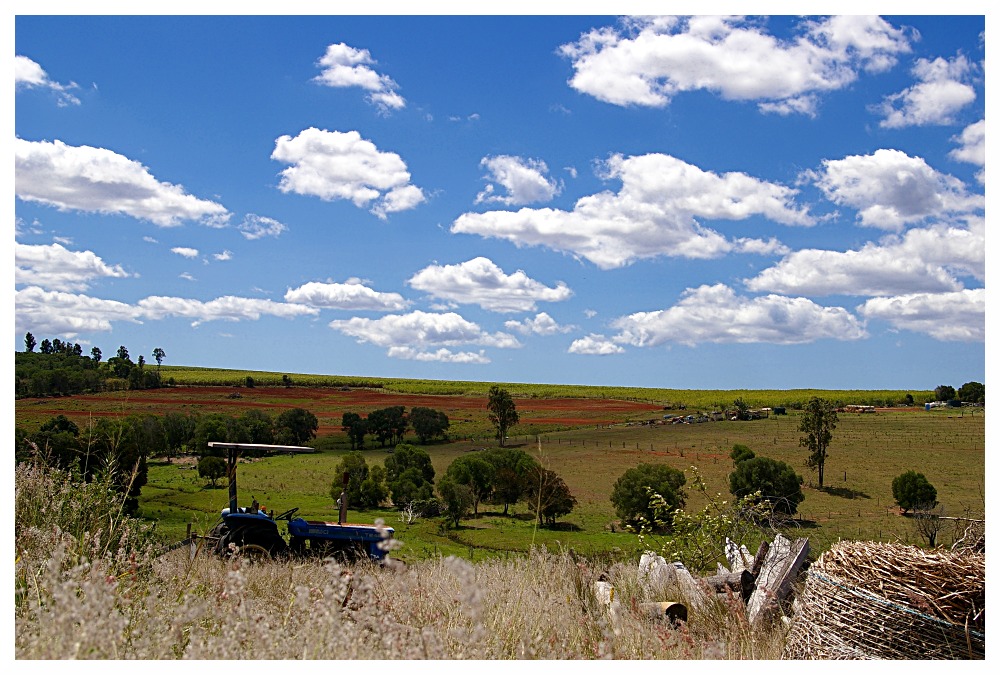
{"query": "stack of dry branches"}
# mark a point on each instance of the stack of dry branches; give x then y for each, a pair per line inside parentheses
(885, 601)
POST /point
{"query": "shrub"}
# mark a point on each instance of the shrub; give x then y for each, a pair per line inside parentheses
(912, 490)
(776, 482)
(631, 493)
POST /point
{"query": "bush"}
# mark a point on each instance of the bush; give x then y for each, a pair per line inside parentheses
(777, 483)
(631, 493)
(912, 490)
(212, 468)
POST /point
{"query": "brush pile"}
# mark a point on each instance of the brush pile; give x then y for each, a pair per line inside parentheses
(868, 600)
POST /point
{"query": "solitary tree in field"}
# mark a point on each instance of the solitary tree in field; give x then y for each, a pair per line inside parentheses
(819, 419)
(502, 411)
(159, 355)
(912, 490)
(212, 468)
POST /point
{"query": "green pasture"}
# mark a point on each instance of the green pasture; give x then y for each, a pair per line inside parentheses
(867, 452)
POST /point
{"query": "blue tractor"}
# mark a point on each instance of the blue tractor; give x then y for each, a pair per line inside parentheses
(252, 530)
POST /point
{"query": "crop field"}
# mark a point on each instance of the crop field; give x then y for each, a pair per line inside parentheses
(589, 441)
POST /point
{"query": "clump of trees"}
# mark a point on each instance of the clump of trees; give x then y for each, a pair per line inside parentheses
(60, 368)
(631, 495)
(970, 392)
(389, 425)
(775, 482)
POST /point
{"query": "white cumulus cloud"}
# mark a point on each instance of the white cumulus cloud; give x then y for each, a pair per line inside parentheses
(540, 324)
(594, 344)
(55, 267)
(256, 227)
(68, 314)
(890, 189)
(28, 75)
(959, 316)
(422, 333)
(84, 178)
(185, 251)
(972, 148)
(653, 214)
(524, 181)
(481, 282)
(346, 66)
(226, 308)
(921, 260)
(351, 296)
(648, 61)
(336, 165)
(940, 92)
(716, 314)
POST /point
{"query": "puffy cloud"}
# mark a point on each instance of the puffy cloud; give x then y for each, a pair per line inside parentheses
(352, 295)
(541, 324)
(523, 179)
(717, 314)
(224, 256)
(481, 282)
(650, 60)
(924, 259)
(67, 314)
(226, 308)
(442, 355)
(594, 344)
(185, 251)
(890, 189)
(345, 66)
(973, 147)
(421, 333)
(335, 165)
(955, 317)
(940, 92)
(256, 227)
(83, 178)
(54, 267)
(28, 75)
(653, 214)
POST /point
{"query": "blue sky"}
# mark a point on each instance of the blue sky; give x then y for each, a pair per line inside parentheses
(756, 202)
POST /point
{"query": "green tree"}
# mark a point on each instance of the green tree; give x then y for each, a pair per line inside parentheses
(819, 419)
(29, 342)
(178, 430)
(944, 392)
(356, 428)
(741, 453)
(159, 355)
(46, 346)
(972, 392)
(547, 495)
(511, 468)
(373, 488)
(502, 412)
(428, 423)
(631, 492)
(742, 410)
(776, 481)
(212, 468)
(356, 467)
(258, 426)
(211, 427)
(475, 472)
(456, 497)
(912, 490)
(409, 474)
(295, 427)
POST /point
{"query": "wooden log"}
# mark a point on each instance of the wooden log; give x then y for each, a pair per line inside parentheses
(774, 583)
(738, 557)
(692, 592)
(742, 583)
(758, 560)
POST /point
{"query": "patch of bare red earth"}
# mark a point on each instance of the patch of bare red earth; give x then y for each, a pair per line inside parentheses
(332, 403)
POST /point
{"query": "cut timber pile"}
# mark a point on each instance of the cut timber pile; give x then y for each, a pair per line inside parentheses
(868, 600)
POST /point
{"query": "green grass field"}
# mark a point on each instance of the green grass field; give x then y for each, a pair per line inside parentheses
(867, 452)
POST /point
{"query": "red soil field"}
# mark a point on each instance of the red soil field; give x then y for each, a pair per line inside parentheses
(327, 404)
